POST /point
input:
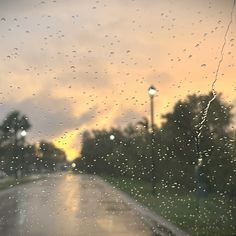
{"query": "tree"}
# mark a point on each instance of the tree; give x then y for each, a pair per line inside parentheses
(12, 140)
(30, 159)
(50, 155)
(176, 149)
(180, 132)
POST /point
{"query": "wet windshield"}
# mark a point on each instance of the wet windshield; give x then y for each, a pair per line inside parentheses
(117, 117)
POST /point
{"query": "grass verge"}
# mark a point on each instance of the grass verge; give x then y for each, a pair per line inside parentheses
(214, 215)
(10, 182)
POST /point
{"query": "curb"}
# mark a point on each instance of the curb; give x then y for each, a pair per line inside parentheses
(159, 225)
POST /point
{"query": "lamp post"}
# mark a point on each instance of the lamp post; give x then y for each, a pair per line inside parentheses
(23, 133)
(18, 154)
(198, 172)
(152, 92)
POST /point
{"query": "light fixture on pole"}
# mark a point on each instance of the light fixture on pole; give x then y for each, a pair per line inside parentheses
(152, 92)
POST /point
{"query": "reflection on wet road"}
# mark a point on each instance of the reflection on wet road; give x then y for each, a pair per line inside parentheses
(67, 205)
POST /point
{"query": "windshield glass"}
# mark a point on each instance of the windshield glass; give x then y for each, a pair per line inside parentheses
(117, 117)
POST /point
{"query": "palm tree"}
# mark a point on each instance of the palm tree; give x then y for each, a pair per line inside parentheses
(12, 138)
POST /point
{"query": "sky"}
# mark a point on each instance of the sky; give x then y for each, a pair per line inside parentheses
(72, 65)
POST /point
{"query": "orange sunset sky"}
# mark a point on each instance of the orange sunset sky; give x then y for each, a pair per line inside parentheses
(73, 65)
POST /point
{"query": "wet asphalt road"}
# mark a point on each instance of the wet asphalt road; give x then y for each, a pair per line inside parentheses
(67, 205)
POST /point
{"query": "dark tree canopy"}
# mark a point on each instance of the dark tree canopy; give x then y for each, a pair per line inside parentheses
(175, 145)
(18, 155)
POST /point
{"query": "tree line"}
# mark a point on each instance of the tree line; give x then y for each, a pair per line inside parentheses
(17, 157)
(177, 154)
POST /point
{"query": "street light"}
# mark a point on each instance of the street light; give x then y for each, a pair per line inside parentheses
(152, 92)
(18, 173)
(23, 133)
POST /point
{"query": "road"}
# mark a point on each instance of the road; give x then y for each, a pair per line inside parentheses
(67, 205)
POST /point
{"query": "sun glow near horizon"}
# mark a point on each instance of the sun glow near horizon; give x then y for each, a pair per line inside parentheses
(89, 67)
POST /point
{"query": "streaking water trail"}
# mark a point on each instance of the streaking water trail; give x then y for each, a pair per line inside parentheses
(214, 94)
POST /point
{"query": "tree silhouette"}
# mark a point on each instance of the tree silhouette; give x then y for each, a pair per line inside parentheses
(12, 141)
(175, 151)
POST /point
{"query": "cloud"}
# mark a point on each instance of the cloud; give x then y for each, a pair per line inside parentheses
(50, 116)
(86, 76)
(128, 116)
(100, 57)
(162, 78)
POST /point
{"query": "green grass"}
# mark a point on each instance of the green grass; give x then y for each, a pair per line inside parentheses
(216, 215)
(10, 182)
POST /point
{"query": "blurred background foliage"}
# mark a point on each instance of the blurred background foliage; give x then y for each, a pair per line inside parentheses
(175, 148)
(17, 157)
